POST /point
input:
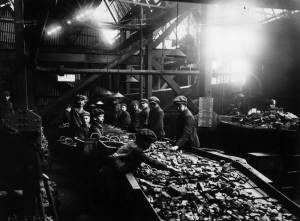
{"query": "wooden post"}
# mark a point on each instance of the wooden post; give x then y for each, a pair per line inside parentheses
(149, 66)
(141, 53)
(205, 76)
(20, 83)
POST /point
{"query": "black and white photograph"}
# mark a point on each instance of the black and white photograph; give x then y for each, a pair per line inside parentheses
(149, 110)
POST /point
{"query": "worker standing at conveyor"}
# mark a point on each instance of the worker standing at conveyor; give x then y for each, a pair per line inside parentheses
(186, 134)
(6, 106)
(123, 120)
(135, 116)
(144, 115)
(97, 122)
(156, 117)
(84, 131)
(76, 115)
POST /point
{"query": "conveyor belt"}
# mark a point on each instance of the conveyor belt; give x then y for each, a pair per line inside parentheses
(150, 187)
(184, 200)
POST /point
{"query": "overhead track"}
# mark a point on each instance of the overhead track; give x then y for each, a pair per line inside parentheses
(276, 4)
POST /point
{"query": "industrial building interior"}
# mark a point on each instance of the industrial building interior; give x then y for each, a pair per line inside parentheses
(225, 72)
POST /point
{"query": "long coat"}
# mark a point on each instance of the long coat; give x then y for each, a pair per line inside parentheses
(123, 120)
(144, 117)
(186, 131)
(156, 121)
(135, 120)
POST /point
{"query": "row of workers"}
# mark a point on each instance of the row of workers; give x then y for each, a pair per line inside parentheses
(144, 114)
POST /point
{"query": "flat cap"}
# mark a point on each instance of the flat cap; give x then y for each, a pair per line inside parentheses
(154, 99)
(144, 100)
(96, 112)
(146, 135)
(80, 97)
(180, 100)
(134, 102)
(85, 113)
(6, 93)
(99, 102)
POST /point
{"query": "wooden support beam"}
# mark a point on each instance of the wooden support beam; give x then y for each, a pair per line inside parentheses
(40, 33)
(112, 15)
(160, 21)
(91, 71)
(205, 77)
(85, 58)
(20, 83)
(171, 13)
(142, 4)
(176, 88)
(149, 66)
(169, 30)
(141, 81)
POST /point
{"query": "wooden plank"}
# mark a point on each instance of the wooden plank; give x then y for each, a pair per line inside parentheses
(149, 66)
(20, 87)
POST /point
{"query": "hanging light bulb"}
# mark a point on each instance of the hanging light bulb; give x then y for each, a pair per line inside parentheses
(176, 53)
(117, 95)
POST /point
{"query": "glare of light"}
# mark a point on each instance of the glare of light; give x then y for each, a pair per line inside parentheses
(109, 35)
(239, 71)
(84, 14)
(101, 14)
(53, 30)
(69, 22)
(214, 65)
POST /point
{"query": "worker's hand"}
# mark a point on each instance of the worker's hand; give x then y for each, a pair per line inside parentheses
(174, 148)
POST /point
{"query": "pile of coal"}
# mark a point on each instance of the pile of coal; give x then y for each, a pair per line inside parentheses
(204, 190)
(272, 119)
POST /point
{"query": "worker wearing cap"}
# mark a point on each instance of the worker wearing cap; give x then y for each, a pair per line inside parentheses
(156, 117)
(144, 115)
(97, 123)
(76, 114)
(123, 119)
(131, 155)
(6, 106)
(186, 136)
(84, 130)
